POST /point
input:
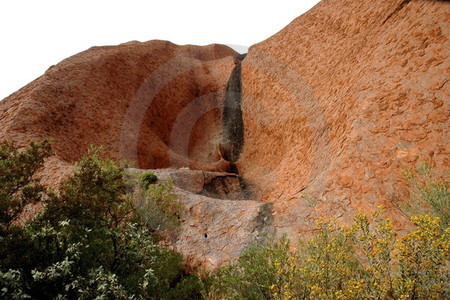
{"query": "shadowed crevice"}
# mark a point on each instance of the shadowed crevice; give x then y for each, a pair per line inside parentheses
(264, 223)
(399, 7)
(232, 122)
(226, 187)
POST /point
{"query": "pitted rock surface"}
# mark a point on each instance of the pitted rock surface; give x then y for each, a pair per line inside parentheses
(215, 231)
(154, 104)
(340, 102)
(322, 119)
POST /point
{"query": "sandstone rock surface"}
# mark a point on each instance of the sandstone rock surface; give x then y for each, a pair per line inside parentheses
(215, 226)
(320, 119)
(342, 100)
(154, 104)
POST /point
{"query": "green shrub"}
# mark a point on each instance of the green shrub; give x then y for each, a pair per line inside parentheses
(429, 192)
(375, 245)
(262, 272)
(17, 185)
(189, 287)
(423, 258)
(161, 198)
(12, 285)
(158, 206)
(89, 242)
(148, 178)
(328, 263)
(364, 261)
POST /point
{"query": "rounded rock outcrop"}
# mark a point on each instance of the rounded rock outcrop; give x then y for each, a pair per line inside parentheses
(154, 104)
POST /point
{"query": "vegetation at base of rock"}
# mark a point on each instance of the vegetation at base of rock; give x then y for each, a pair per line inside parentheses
(367, 260)
(157, 204)
(363, 261)
(148, 178)
(429, 192)
(97, 238)
(87, 243)
(163, 203)
(17, 185)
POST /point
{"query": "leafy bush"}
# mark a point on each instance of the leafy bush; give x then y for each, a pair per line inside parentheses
(12, 285)
(17, 185)
(428, 191)
(364, 261)
(157, 205)
(423, 257)
(161, 198)
(262, 272)
(88, 243)
(148, 178)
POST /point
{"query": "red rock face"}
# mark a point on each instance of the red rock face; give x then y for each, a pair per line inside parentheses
(154, 104)
(325, 116)
(340, 101)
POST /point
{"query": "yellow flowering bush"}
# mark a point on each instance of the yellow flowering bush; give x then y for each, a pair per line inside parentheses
(367, 260)
(423, 256)
(364, 261)
(374, 245)
(328, 263)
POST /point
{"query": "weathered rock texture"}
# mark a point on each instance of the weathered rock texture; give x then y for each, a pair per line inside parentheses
(155, 104)
(217, 225)
(340, 101)
(321, 118)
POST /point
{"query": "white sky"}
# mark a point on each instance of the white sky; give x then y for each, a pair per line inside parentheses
(35, 34)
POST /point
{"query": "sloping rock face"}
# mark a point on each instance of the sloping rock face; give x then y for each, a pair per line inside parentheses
(154, 104)
(321, 118)
(219, 220)
(342, 100)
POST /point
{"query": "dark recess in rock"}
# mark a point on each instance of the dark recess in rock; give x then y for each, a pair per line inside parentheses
(239, 58)
(233, 169)
(227, 187)
(264, 222)
(232, 122)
